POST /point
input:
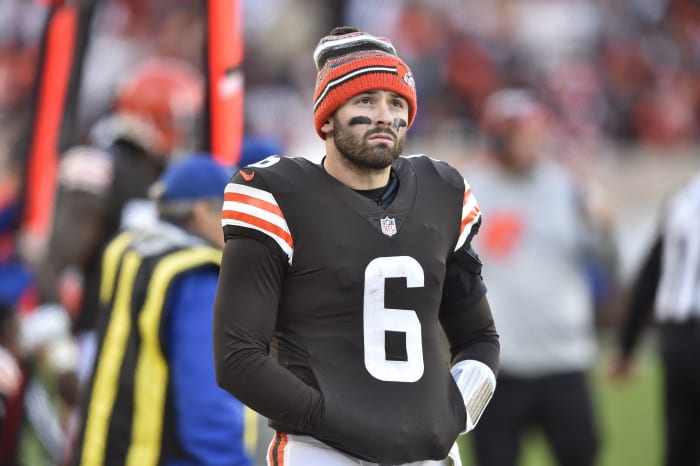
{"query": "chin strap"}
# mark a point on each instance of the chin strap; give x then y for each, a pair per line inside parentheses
(476, 382)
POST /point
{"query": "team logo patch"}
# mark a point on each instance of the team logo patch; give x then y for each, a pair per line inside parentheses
(388, 226)
(408, 79)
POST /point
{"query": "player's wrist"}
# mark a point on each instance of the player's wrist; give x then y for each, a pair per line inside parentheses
(477, 383)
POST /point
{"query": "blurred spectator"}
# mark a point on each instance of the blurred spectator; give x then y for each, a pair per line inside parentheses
(188, 19)
(17, 283)
(470, 89)
(627, 74)
(103, 188)
(665, 114)
(11, 376)
(41, 348)
(501, 42)
(535, 241)
(17, 297)
(667, 287)
(153, 398)
(51, 354)
(549, 32)
(20, 29)
(16, 77)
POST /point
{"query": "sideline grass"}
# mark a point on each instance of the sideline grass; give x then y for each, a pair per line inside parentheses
(629, 416)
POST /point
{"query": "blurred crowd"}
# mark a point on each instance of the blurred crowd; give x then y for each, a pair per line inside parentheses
(616, 77)
(622, 71)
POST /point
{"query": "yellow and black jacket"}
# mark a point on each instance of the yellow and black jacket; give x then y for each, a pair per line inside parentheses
(128, 414)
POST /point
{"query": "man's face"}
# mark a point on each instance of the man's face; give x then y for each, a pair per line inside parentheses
(370, 128)
(526, 143)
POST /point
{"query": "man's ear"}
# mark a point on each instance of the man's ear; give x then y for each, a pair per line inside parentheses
(327, 127)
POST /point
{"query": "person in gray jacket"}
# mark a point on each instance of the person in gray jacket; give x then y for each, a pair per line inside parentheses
(537, 241)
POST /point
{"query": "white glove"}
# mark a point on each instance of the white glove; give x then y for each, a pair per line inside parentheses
(476, 382)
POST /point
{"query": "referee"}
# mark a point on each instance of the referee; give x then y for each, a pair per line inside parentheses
(668, 285)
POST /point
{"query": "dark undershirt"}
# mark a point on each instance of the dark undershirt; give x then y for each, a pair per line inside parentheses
(385, 195)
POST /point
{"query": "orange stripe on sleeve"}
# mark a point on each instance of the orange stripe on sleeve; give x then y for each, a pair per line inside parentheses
(467, 195)
(264, 225)
(254, 202)
(470, 217)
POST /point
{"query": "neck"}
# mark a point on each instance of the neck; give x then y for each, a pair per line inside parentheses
(353, 175)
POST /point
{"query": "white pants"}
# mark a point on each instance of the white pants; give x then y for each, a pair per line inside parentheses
(303, 450)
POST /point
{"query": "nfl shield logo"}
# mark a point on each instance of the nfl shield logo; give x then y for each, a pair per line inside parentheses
(388, 226)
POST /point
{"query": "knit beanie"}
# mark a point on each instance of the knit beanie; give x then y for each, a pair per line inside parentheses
(350, 62)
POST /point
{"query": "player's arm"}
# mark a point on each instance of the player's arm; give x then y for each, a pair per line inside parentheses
(245, 312)
(256, 256)
(85, 177)
(641, 301)
(639, 310)
(466, 318)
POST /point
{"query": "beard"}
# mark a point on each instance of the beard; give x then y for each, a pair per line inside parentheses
(359, 152)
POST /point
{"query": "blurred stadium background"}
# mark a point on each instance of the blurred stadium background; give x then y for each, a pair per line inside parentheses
(622, 77)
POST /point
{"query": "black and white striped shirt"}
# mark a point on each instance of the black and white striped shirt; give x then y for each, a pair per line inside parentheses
(678, 295)
(668, 283)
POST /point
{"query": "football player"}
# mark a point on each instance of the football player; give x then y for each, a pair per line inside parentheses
(341, 280)
(102, 188)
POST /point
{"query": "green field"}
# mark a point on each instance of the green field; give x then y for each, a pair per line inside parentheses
(629, 415)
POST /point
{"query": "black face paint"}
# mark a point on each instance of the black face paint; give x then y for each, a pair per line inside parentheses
(400, 123)
(360, 120)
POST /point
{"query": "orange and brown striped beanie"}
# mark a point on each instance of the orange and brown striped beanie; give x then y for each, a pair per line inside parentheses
(350, 62)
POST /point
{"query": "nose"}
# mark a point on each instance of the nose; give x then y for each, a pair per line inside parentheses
(383, 114)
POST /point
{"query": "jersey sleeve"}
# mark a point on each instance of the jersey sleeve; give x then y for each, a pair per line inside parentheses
(471, 218)
(250, 209)
(470, 212)
(465, 313)
(245, 313)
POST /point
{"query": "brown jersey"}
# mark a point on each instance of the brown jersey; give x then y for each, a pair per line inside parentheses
(358, 303)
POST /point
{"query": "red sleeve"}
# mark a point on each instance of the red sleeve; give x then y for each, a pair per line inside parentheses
(245, 312)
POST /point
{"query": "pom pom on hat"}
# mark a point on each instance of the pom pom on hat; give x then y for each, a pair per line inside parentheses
(198, 176)
(350, 62)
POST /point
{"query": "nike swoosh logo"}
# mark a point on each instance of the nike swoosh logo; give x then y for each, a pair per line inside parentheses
(247, 176)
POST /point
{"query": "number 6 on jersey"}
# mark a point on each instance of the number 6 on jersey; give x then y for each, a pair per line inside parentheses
(379, 319)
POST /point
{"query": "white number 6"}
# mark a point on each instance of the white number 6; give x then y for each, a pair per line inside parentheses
(378, 319)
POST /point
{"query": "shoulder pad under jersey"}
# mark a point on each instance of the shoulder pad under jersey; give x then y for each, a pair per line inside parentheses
(443, 169)
(471, 214)
(249, 204)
